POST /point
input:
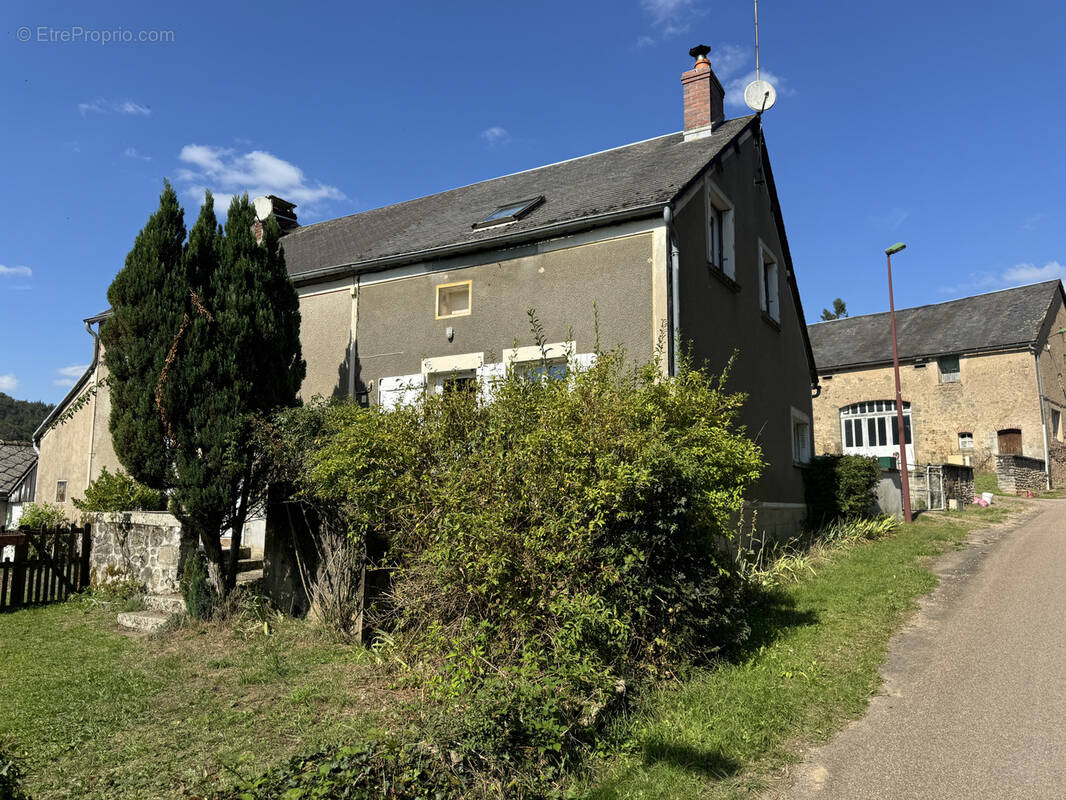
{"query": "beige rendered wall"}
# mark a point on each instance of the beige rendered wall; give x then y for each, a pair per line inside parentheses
(996, 391)
(65, 457)
(325, 336)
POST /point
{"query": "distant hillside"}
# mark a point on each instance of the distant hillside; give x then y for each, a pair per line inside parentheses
(20, 418)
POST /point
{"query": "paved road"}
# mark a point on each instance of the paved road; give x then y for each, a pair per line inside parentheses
(975, 688)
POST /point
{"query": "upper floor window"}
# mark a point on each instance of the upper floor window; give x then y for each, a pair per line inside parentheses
(769, 297)
(966, 440)
(1056, 424)
(720, 231)
(949, 369)
(453, 300)
(61, 491)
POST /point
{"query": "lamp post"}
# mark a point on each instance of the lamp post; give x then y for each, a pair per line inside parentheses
(904, 478)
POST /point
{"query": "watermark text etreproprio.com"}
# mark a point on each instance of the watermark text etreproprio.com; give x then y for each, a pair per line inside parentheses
(77, 34)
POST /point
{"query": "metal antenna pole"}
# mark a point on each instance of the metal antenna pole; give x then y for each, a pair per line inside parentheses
(757, 75)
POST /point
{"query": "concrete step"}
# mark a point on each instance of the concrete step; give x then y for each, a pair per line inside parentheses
(145, 621)
(249, 565)
(166, 603)
(249, 576)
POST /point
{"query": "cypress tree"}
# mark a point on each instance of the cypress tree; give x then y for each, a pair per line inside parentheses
(145, 302)
(232, 352)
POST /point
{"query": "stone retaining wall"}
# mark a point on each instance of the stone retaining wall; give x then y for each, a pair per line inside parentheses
(145, 546)
(1018, 475)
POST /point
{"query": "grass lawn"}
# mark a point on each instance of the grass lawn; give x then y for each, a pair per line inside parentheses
(812, 664)
(91, 712)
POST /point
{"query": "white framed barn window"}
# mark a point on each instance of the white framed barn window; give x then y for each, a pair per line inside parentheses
(871, 429)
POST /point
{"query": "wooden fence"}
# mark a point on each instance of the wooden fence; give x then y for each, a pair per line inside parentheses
(48, 566)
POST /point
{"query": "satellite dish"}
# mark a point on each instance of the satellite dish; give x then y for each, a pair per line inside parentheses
(760, 96)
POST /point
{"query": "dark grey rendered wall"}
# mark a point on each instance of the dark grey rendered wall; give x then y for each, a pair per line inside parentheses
(396, 327)
(717, 317)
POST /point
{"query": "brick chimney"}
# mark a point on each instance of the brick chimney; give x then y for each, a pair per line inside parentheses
(704, 96)
(282, 210)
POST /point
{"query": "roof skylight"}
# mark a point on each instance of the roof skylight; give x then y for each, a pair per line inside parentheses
(510, 212)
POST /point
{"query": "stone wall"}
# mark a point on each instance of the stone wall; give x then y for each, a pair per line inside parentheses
(958, 485)
(995, 392)
(1018, 475)
(145, 546)
(1057, 451)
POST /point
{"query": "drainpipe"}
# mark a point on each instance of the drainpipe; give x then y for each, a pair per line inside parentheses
(1043, 417)
(92, 426)
(352, 337)
(672, 292)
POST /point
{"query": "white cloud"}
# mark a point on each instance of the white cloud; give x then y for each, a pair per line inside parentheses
(1018, 275)
(495, 135)
(68, 376)
(645, 41)
(103, 106)
(670, 16)
(11, 272)
(8, 383)
(1031, 273)
(227, 173)
(132, 152)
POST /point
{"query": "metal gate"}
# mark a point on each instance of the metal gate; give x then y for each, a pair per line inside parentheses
(934, 483)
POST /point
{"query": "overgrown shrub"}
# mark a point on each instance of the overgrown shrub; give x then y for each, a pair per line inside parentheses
(43, 516)
(549, 547)
(119, 492)
(196, 589)
(841, 486)
(11, 779)
(369, 771)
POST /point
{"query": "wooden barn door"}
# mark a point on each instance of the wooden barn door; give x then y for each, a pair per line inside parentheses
(1010, 442)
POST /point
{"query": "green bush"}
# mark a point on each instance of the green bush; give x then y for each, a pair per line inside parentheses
(119, 492)
(196, 589)
(840, 486)
(549, 548)
(43, 516)
(11, 780)
(368, 771)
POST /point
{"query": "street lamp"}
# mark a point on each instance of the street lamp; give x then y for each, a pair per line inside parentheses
(904, 478)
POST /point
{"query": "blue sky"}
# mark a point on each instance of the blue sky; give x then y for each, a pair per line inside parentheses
(935, 123)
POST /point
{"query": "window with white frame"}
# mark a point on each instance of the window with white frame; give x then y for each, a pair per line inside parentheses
(950, 371)
(966, 440)
(801, 437)
(1056, 424)
(769, 297)
(720, 236)
(871, 428)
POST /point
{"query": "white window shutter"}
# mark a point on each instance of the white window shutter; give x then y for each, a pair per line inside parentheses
(584, 361)
(487, 377)
(401, 390)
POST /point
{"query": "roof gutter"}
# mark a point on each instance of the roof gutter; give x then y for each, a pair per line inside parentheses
(435, 253)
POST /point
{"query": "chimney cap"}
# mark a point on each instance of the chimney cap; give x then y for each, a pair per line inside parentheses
(699, 52)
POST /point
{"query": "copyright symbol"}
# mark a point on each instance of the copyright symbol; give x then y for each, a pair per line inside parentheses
(23, 34)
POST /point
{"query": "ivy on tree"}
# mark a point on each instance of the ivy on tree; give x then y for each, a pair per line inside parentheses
(204, 337)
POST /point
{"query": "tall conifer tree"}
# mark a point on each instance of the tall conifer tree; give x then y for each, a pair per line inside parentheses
(232, 352)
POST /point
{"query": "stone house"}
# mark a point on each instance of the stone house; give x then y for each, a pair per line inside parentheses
(980, 377)
(679, 236)
(18, 466)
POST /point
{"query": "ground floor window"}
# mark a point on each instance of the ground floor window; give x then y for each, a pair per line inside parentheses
(801, 437)
(871, 428)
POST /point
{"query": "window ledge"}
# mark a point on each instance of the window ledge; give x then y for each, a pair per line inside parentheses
(720, 275)
(773, 323)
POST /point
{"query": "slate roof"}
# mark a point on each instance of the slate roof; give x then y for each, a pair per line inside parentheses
(993, 321)
(15, 459)
(645, 174)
